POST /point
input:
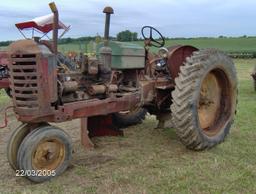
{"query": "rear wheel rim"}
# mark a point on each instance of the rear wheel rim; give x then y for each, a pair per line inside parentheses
(213, 108)
(49, 154)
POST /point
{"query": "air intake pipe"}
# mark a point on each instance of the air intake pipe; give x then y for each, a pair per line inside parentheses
(55, 27)
(106, 51)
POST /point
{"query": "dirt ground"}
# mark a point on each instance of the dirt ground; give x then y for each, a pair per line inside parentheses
(145, 160)
(110, 154)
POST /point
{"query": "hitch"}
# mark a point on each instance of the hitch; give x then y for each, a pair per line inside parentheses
(97, 126)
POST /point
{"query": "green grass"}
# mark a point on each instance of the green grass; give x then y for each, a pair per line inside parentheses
(2, 48)
(3, 97)
(71, 47)
(225, 44)
(147, 160)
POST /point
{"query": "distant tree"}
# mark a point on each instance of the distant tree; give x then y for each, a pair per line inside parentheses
(134, 36)
(127, 35)
(5, 43)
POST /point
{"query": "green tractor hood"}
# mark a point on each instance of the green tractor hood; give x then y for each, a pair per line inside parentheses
(125, 55)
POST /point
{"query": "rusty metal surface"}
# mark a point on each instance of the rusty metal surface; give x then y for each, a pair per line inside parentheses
(3, 58)
(103, 126)
(70, 86)
(209, 102)
(101, 89)
(55, 27)
(108, 10)
(43, 91)
(216, 101)
(97, 126)
(4, 83)
(85, 140)
(97, 89)
(36, 92)
(80, 109)
(33, 82)
(177, 56)
(49, 154)
(93, 66)
(24, 47)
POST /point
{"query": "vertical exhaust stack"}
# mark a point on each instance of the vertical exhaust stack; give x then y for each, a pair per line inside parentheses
(106, 51)
(55, 27)
(108, 11)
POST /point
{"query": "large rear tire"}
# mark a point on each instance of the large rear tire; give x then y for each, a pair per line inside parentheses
(254, 84)
(204, 99)
(254, 77)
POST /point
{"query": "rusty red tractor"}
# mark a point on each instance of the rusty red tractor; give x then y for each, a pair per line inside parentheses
(195, 89)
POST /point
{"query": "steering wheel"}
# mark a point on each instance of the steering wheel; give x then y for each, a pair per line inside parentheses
(152, 42)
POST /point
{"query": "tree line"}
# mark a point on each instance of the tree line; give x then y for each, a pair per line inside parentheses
(123, 36)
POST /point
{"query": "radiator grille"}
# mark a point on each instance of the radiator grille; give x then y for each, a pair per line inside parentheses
(24, 80)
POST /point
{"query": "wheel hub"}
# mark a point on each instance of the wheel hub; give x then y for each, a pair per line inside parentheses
(49, 154)
(209, 102)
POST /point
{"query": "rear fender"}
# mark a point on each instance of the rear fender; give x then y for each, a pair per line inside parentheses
(177, 56)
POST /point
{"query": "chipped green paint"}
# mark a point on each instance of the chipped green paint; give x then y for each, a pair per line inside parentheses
(125, 55)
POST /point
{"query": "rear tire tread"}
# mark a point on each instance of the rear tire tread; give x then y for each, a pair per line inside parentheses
(183, 116)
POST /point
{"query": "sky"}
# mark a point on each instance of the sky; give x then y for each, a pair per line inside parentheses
(173, 18)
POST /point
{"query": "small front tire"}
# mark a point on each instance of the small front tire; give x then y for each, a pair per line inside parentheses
(16, 139)
(47, 149)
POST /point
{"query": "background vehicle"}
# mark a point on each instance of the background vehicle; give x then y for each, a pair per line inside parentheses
(4, 83)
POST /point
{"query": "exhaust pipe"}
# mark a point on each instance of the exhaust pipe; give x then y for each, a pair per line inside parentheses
(106, 51)
(55, 27)
(108, 11)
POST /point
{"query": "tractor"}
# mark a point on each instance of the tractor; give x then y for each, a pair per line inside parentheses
(195, 89)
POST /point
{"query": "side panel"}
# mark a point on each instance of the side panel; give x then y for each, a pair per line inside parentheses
(126, 55)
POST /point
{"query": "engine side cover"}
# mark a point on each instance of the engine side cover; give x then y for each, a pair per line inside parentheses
(125, 55)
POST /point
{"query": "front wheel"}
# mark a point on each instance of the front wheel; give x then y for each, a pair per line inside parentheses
(16, 139)
(44, 153)
(204, 99)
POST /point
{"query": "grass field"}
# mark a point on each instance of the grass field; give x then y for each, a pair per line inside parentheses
(225, 44)
(147, 160)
